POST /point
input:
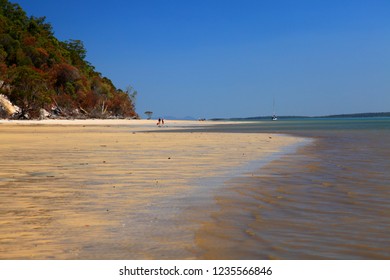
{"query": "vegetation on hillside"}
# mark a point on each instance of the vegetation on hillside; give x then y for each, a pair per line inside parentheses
(38, 71)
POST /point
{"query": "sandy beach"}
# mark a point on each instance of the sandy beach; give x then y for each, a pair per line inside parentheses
(116, 189)
(134, 125)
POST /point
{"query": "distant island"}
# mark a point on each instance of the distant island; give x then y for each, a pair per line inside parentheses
(356, 115)
(43, 77)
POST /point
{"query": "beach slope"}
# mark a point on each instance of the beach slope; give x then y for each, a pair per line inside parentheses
(116, 189)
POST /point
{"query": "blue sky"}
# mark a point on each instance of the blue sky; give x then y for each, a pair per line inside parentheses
(220, 58)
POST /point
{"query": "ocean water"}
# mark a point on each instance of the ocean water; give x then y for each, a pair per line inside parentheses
(328, 200)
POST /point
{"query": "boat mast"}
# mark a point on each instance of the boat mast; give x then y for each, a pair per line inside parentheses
(274, 118)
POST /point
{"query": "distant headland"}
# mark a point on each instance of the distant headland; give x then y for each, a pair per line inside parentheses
(356, 115)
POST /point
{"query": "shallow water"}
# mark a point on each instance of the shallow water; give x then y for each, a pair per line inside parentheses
(330, 200)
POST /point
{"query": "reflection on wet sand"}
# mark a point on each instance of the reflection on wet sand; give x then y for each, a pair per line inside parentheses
(328, 201)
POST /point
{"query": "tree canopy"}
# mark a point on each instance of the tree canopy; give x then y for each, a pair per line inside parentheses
(38, 71)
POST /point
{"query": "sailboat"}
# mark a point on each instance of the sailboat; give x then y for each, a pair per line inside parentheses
(274, 117)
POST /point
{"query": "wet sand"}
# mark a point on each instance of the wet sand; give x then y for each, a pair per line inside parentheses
(93, 190)
(329, 200)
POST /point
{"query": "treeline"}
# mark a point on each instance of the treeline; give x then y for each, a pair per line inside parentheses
(356, 115)
(361, 115)
(39, 73)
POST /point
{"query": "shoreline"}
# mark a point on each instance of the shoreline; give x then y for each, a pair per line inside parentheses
(327, 201)
(123, 193)
(146, 124)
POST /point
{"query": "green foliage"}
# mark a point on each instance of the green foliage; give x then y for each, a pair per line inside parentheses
(39, 71)
(76, 50)
(29, 88)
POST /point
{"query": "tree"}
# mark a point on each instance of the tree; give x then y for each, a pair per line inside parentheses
(149, 114)
(132, 93)
(77, 52)
(63, 76)
(29, 90)
(76, 47)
